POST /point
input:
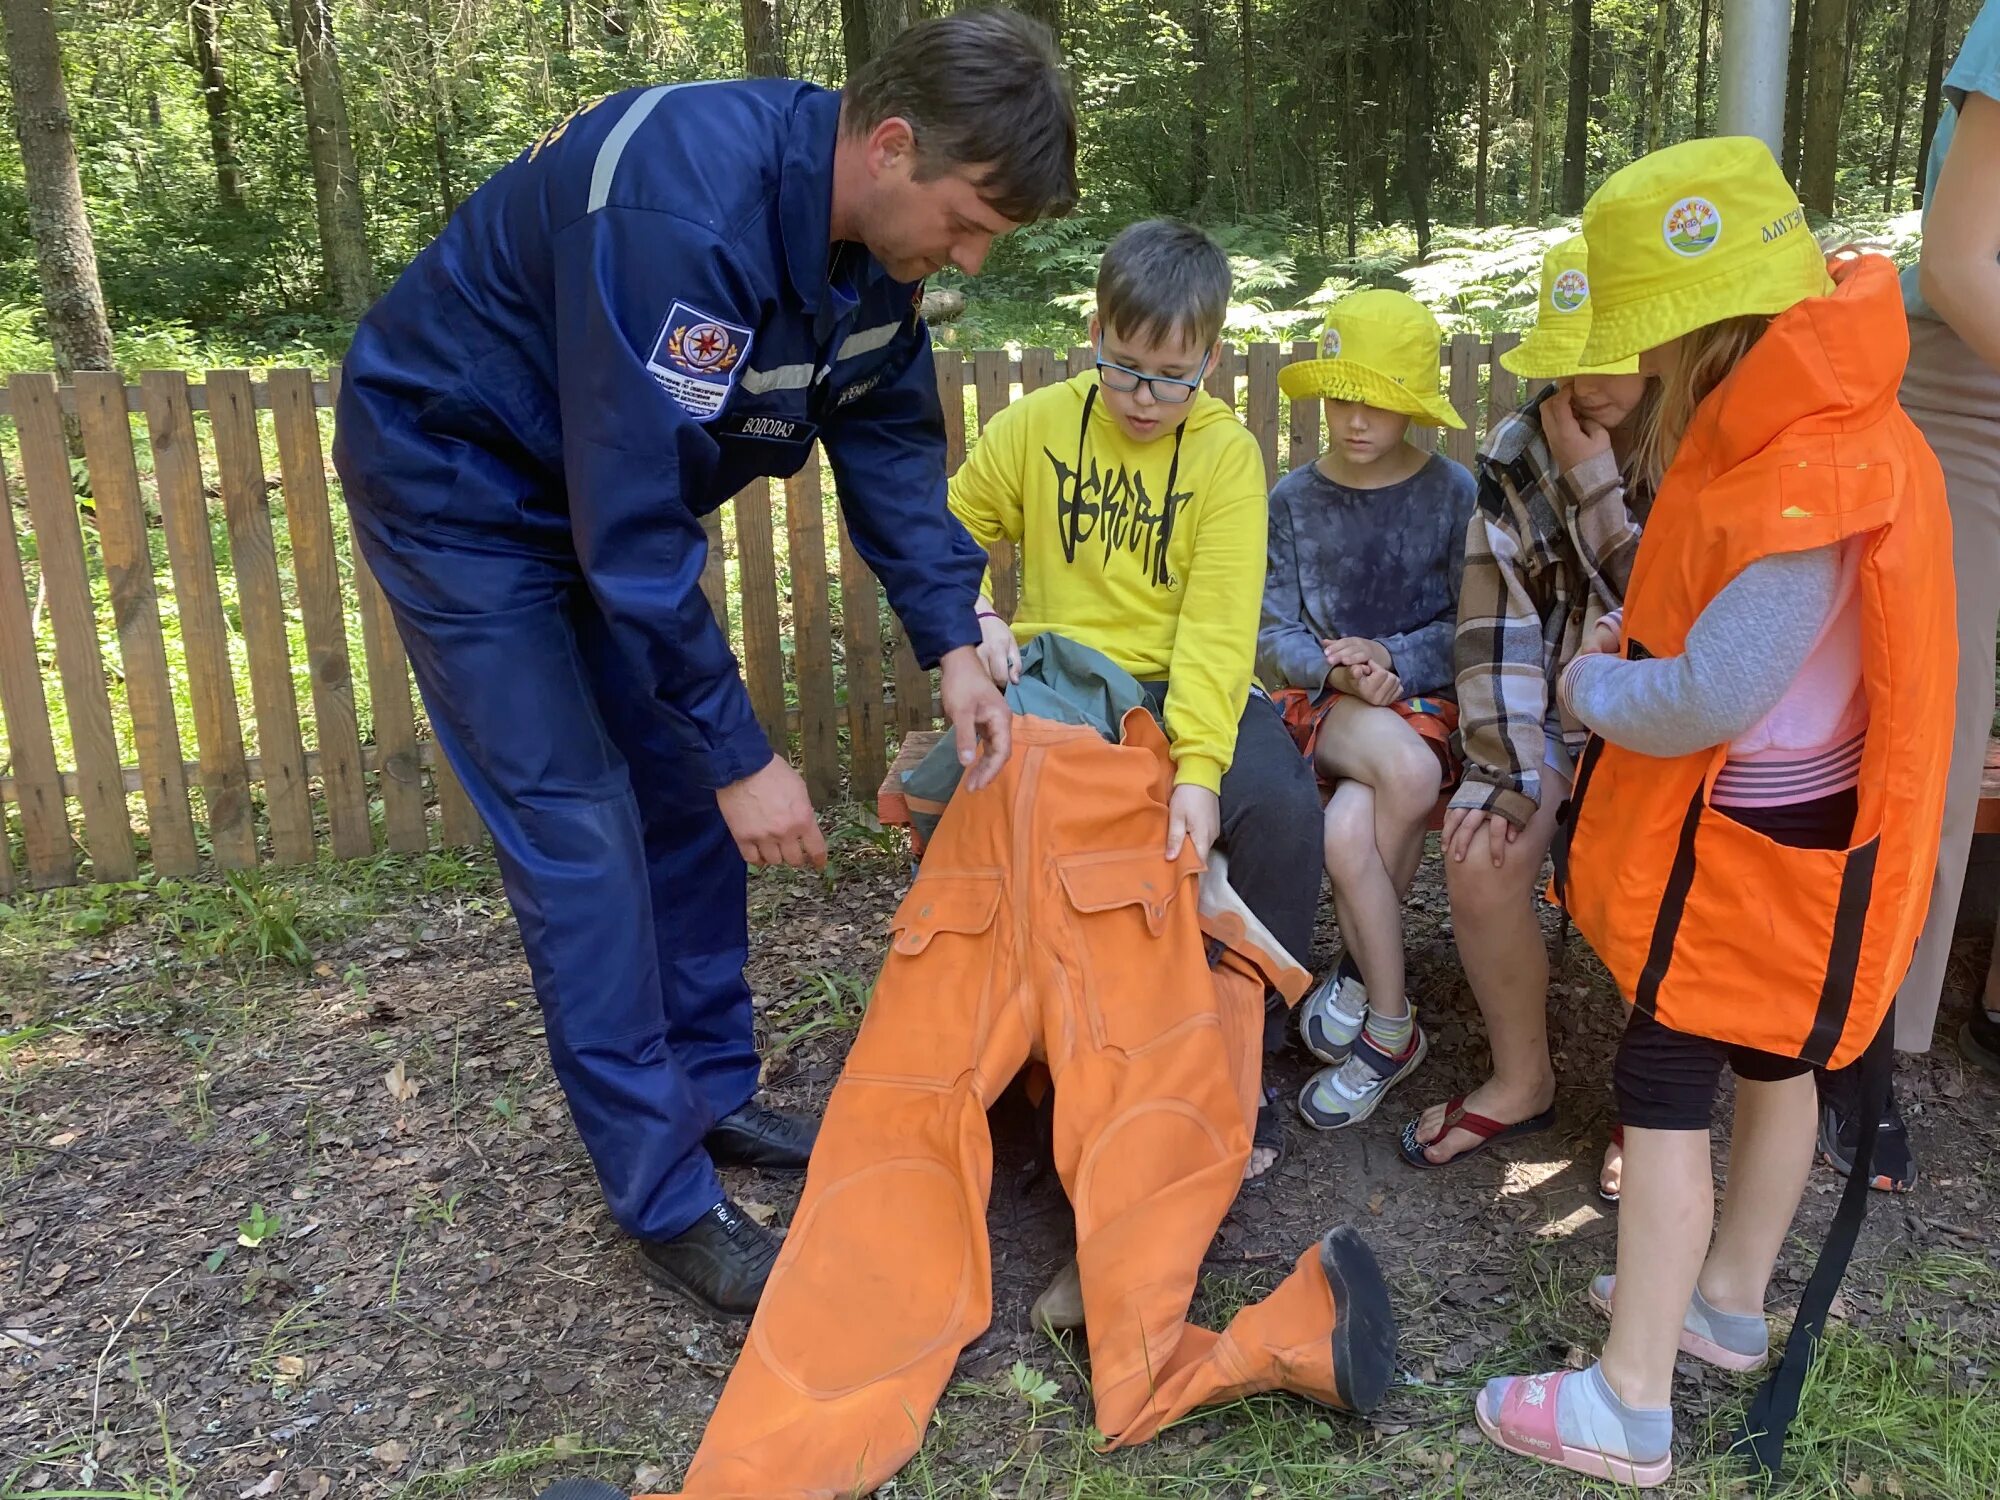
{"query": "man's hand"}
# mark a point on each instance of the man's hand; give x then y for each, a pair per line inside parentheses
(771, 818)
(1194, 814)
(1468, 830)
(1572, 440)
(998, 652)
(978, 715)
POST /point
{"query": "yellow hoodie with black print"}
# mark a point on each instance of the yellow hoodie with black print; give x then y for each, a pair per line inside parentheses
(1166, 580)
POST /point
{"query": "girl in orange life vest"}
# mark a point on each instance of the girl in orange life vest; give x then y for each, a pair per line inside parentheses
(1750, 839)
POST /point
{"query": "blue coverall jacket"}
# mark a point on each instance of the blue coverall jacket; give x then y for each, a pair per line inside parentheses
(621, 328)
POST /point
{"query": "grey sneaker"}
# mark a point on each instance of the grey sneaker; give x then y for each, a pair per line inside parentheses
(1335, 1098)
(1331, 1017)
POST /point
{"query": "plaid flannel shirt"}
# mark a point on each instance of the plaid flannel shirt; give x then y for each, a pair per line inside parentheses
(1546, 555)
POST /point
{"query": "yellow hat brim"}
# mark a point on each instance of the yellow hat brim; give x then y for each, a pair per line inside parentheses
(1624, 327)
(1345, 380)
(1550, 356)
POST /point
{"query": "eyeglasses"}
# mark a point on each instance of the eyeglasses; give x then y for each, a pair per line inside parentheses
(1168, 390)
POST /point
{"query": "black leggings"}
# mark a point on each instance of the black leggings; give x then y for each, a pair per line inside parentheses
(1667, 1079)
(1271, 833)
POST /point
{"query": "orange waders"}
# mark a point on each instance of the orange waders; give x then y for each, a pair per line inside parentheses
(1044, 923)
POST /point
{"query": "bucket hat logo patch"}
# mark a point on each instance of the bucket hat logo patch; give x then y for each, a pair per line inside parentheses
(1692, 227)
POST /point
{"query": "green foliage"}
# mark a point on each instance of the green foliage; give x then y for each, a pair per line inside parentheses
(1286, 127)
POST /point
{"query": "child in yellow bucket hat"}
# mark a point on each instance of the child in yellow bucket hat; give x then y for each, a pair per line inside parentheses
(1553, 348)
(1768, 742)
(1355, 646)
(1378, 348)
(1695, 234)
(1547, 556)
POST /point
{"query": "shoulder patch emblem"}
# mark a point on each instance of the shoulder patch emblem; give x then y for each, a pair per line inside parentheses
(697, 358)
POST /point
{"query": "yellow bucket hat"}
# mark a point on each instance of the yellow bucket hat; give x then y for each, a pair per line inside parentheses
(1691, 235)
(1379, 348)
(1553, 349)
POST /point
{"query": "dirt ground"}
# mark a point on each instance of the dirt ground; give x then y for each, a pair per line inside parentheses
(327, 1231)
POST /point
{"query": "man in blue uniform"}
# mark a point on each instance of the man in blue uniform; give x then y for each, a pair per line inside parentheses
(676, 290)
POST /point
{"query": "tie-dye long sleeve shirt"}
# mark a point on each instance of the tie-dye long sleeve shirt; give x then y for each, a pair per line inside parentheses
(1381, 564)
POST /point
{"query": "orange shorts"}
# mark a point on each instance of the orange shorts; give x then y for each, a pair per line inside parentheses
(1436, 719)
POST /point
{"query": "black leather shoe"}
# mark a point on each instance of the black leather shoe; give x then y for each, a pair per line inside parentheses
(721, 1262)
(767, 1139)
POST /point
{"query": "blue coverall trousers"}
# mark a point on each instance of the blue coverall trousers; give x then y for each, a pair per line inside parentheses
(626, 883)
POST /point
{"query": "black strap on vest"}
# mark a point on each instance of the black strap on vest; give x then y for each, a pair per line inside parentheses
(1762, 1436)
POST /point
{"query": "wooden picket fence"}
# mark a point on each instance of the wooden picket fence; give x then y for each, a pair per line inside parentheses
(275, 597)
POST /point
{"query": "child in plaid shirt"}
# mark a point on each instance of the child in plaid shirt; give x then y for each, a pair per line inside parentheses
(1547, 555)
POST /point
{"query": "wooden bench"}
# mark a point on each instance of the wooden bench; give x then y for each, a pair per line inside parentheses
(894, 811)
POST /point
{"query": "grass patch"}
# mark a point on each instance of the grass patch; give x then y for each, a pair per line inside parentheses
(513, 1464)
(243, 919)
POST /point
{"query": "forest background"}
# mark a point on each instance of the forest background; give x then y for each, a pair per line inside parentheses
(252, 172)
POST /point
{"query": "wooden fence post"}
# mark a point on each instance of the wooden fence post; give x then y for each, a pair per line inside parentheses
(990, 375)
(220, 768)
(253, 555)
(105, 421)
(316, 573)
(812, 631)
(37, 778)
(107, 820)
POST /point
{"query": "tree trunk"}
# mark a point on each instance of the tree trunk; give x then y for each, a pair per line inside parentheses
(1483, 151)
(1316, 162)
(1603, 68)
(203, 24)
(1850, 47)
(1795, 85)
(1933, 95)
(1704, 29)
(1048, 12)
(1656, 76)
(1249, 83)
(1198, 166)
(1417, 128)
(857, 34)
(1894, 163)
(568, 27)
(343, 224)
(1383, 57)
(1576, 132)
(1859, 19)
(1820, 150)
(763, 41)
(1350, 166)
(65, 256)
(1538, 103)
(443, 118)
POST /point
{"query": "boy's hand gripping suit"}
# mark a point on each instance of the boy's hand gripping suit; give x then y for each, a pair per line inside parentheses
(1044, 923)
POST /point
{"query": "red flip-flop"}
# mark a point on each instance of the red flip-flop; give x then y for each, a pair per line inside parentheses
(1458, 1117)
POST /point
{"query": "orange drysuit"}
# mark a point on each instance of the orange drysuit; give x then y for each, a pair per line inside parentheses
(1044, 923)
(1707, 925)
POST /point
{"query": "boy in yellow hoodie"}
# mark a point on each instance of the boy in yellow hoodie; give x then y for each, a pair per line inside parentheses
(1137, 502)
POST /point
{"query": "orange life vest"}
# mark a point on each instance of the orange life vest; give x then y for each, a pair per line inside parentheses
(1707, 926)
